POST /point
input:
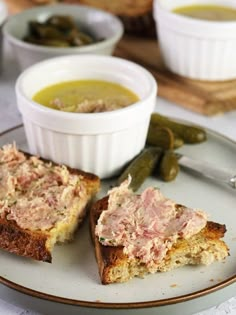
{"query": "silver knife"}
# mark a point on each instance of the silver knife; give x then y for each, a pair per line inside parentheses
(206, 169)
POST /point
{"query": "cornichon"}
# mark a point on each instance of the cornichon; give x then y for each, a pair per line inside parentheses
(189, 134)
(178, 142)
(47, 42)
(141, 167)
(160, 136)
(169, 166)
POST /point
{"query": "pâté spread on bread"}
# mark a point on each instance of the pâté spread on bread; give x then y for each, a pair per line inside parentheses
(139, 234)
(41, 203)
(30, 184)
(146, 225)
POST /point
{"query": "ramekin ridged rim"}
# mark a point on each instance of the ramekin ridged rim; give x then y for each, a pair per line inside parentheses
(195, 27)
(105, 119)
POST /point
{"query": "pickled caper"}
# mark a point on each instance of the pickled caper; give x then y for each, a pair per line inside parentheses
(57, 31)
(169, 166)
(141, 167)
(160, 136)
(61, 22)
(45, 31)
(55, 42)
(77, 38)
(189, 134)
(47, 42)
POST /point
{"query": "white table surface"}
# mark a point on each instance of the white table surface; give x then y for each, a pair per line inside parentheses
(15, 303)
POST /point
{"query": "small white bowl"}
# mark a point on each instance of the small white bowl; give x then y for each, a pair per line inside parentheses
(194, 48)
(99, 23)
(3, 16)
(101, 143)
(3, 13)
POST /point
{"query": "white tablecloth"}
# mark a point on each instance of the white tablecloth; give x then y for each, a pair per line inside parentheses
(10, 117)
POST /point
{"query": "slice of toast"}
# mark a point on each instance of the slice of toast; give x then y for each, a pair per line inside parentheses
(41, 203)
(114, 265)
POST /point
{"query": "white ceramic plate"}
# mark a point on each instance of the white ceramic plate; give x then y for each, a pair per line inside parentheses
(73, 278)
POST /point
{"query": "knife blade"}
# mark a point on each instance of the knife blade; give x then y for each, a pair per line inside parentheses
(207, 170)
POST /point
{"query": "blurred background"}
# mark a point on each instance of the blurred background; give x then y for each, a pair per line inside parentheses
(136, 15)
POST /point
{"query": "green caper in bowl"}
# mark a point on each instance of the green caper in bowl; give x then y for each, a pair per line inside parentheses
(58, 31)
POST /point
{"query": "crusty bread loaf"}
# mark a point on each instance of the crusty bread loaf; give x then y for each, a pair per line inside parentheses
(136, 15)
(127, 7)
(33, 231)
(114, 266)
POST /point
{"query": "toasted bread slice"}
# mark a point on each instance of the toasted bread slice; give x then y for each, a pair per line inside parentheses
(41, 203)
(114, 265)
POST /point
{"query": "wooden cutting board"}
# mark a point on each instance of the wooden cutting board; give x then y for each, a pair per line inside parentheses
(203, 97)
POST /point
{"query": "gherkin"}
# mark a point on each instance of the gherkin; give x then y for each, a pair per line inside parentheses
(160, 136)
(169, 167)
(141, 167)
(189, 134)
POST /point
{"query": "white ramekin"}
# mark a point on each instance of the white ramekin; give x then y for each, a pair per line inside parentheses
(99, 23)
(101, 143)
(195, 48)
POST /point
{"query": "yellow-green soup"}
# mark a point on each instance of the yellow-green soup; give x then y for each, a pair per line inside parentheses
(208, 12)
(86, 96)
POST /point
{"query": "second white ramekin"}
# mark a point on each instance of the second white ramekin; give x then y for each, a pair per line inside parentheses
(194, 48)
(101, 143)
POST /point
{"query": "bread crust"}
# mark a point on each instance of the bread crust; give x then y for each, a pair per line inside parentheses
(121, 7)
(36, 244)
(115, 266)
(24, 242)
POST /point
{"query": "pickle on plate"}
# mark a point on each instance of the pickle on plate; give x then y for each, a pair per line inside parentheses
(160, 136)
(189, 134)
(178, 142)
(169, 167)
(141, 167)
